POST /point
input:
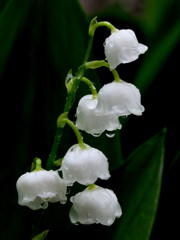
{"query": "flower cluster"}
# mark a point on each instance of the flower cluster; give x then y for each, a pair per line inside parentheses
(96, 113)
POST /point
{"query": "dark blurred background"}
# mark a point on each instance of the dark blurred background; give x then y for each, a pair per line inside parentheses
(39, 42)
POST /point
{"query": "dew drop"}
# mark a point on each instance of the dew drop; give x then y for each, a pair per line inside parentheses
(110, 135)
(96, 134)
(62, 201)
(109, 221)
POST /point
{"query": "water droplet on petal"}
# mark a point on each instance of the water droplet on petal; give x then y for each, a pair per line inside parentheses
(62, 201)
(109, 221)
(110, 135)
(96, 134)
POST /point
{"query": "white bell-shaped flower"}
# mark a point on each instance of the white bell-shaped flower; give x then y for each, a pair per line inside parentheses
(84, 165)
(120, 98)
(122, 46)
(96, 205)
(37, 188)
(89, 121)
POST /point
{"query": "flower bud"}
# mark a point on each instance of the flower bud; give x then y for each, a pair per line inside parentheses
(96, 205)
(37, 188)
(84, 165)
(122, 47)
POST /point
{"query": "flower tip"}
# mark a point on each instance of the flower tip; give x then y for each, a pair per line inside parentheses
(142, 48)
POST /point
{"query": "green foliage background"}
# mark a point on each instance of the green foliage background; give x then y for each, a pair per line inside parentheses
(39, 42)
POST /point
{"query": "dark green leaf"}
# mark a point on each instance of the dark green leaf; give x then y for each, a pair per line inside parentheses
(13, 18)
(41, 236)
(140, 188)
(166, 225)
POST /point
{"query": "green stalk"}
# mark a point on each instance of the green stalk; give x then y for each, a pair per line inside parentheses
(69, 102)
(91, 86)
(101, 63)
(94, 25)
(71, 94)
(77, 133)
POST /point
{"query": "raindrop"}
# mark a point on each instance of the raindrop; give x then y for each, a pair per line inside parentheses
(109, 221)
(62, 201)
(96, 134)
(110, 135)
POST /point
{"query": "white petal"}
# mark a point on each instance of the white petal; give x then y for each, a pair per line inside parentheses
(98, 205)
(122, 47)
(142, 48)
(120, 98)
(37, 188)
(84, 165)
(88, 121)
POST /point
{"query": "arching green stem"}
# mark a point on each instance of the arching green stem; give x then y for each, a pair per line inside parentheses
(94, 25)
(116, 75)
(90, 42)
(91, 86)
(77, 133)
(63, 120)
(101, 63)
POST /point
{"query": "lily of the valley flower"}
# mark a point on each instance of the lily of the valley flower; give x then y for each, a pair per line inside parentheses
(89, 121)
(37, 188)
(84, 165)
(119, 98)
(122, 46)
(95, 205)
